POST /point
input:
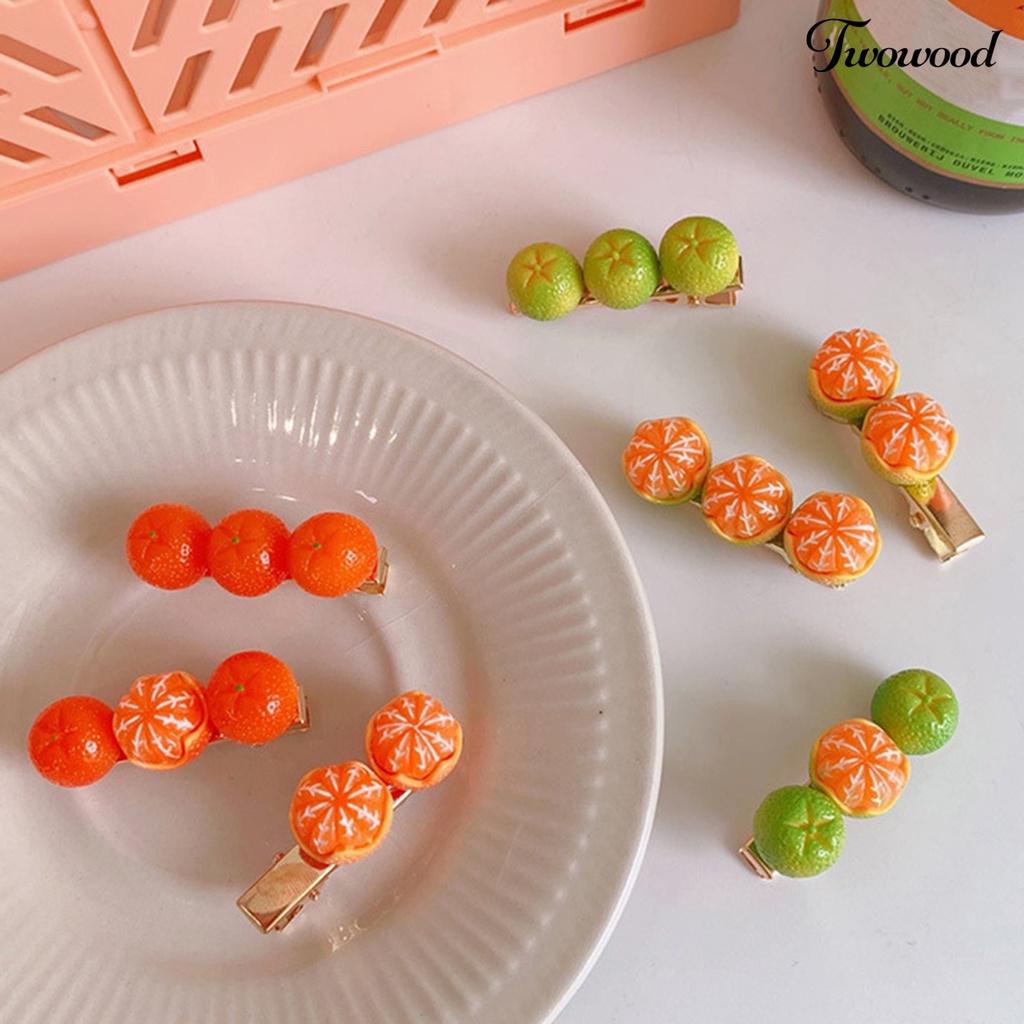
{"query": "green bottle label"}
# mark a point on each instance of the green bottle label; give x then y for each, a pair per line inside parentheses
(928, 129)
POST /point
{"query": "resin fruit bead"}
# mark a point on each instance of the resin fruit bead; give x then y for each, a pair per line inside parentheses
(340, 813)
(699, 256)
(850, 372)
(166, 546)
(746, 500)
(331, 554)
(163, 722)
(918, 709)
(907, 439)
(248, 552)
(252, 697)
(72, 742)
(798, 831)
(620, 269)
(667, 460)
(832, 538)
(413, 742)
(857, 764)
(544, 281)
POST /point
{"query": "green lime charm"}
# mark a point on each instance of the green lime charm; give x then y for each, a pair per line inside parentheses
(544, 281)
(918, 709)
(620, 269)
(798, 831)
(699, 256)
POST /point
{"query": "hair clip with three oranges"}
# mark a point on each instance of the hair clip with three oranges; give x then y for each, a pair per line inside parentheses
(906, 439)
(342, 812)
(830, 537)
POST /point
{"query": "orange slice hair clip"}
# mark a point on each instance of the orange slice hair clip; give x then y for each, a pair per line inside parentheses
(341, 813)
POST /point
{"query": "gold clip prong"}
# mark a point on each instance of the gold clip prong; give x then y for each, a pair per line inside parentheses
(728, 296)
(748, 851)
(274, 899)
(379, 581)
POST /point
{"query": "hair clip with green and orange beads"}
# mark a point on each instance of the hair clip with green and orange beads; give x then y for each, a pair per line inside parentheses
(858, 769)
(905, 438)
(830, 537)
(341, 813)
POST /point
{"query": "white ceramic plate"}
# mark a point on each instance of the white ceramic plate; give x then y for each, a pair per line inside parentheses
(512, 598)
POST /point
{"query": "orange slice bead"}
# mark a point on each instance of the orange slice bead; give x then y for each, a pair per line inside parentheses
(850, 372)
(667, 460)
(163, 722)
(340, 813)
(832, 538)
(413, 742)
(908, 439)
(860, 767)
(746, 500)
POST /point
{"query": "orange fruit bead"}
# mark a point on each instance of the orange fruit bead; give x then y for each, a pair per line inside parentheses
(413, 742)
(331, 554)
(72, 742)
(858, 765)
(746, 500)
(248, 552)
(907, 439)
(340, 813)
(252, 697)
(832, 538)
(850, 372)
(667, 460)
(162, 722)
(166, 546)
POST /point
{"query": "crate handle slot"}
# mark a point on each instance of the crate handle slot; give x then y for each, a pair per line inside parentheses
(255, 58)
(28, 55)
(19, 154)
(321, 36)
(68, 123)
(156, 164)
(581, 17)
(154, 21)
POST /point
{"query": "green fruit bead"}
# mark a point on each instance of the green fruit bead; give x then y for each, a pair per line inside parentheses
(798, 831)
(544, 281)
(699, 256)
(620, 269)
(918, 709)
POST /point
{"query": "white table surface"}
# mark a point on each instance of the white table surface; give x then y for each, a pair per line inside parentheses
(921, 918)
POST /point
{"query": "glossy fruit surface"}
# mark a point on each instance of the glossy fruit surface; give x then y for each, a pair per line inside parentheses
(907, 438)
(798, 831)
(340, 813)
(331, 554)
(248, 552)
(544, 281)
(667, 460)
(832, 538)
(167, 546)
(620, 269)
(252, 697)
(72, 742)
(699, 256)
(746, 500)
(850, 372)
(413, 741)
(918, 709)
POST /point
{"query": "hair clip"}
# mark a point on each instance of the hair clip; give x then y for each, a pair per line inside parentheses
(830, 538)
(251, 551)
(165, 721)
(906, 439)
(341, 813)
(698, 262)
(858, 768)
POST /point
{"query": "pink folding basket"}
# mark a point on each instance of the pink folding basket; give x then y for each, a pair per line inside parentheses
(117, 115)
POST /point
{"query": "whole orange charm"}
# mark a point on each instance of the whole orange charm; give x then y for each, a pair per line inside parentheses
(252, 697)
(248, 552)
(72, 741)
(331, 554)
(167, 546)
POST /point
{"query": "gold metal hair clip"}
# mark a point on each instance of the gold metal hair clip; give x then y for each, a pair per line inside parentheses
(379, 580)
(906, 439)
(830, 538)
(341, 813)
(697, 263)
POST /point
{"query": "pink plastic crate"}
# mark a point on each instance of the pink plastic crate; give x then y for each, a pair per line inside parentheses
(117, 115)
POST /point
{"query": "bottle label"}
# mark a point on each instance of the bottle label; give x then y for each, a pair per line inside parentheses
(940, 80)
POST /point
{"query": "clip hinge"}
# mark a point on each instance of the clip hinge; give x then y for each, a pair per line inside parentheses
(378, 581)
(748, 851)
(948, 527)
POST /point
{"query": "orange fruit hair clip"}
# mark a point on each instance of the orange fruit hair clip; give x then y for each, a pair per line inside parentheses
(906, 439)
(252, 551)
(858, 769)
(829, 538)
(166, 720)
(341, 813)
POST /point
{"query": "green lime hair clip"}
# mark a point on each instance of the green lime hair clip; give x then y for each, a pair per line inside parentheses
(698, 262)
(858, 768)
